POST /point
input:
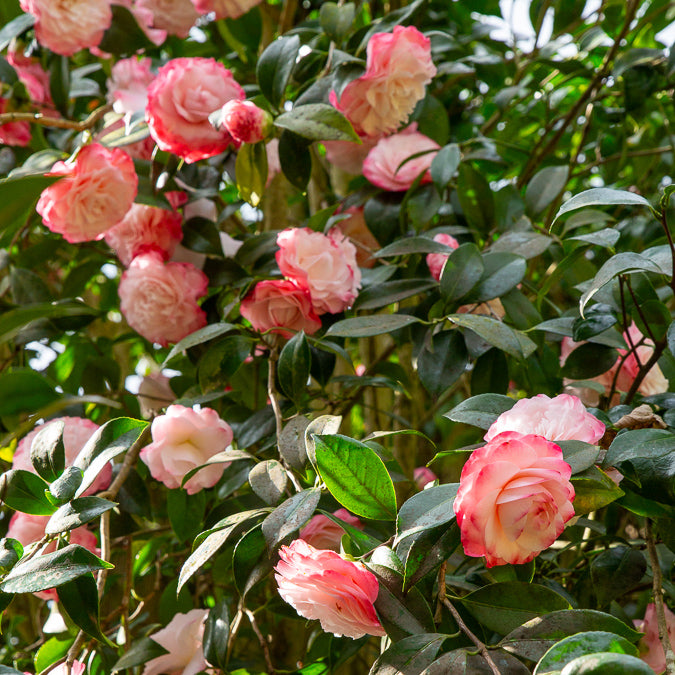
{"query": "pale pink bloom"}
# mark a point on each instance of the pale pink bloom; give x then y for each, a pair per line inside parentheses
(145, 228)
(176, 17)
(128, 85)
(13, 133)
(76, 432)
(183, 439)
(423, 475)
(562, 418)
(348, 155)
(225, 9)
(323, 585)
(436, 261)
(78, 668)
(159, 300)
(322, 533)
(95, 193)
(28, 529)
(398, 68)
(514, 498)
(182, 637)
(651, 649)
(181, 98)
(323, 264)
(66, 27)
(384, 166)
(357, 231)
(280, 304)
(245, 121)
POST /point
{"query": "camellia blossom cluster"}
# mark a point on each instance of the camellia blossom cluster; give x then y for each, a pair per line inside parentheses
(323, 585)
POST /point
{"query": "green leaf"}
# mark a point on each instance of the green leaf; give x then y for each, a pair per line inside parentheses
(251, 561)
(410, 655)
(186, 512)
(616, 571)
(24, 491)
(599, 318)
(251, 172)
(317, 122)
(427, 551)
(52, 569)
(410, 245)
(593, 490)
(601, 197)
(275, 66)
(534, 638)
(504, 606)
(336, 20)
(216, 634)
(445, 164)
(670, 336)
(526, 244)
(290, 516)
(606, 238)
(13, 29)
(141, 652)
(355, 476)
(367, 326)
(544, 187)
(47, 452)
(79, 598)
(462, 271)
(11, 551)
(581, 644)
(52, 651)
(607, 663)
(65, 486)
(201, 234)
(496, 333)
(268, 480)
(441, 363)
(427, 509)
(200, 336)
(579, 455)
(475, 198)
(295, 159)
(294, 365)
(204, 552)
(589, 360)
(381, 295)
(502, 272)
(124, 37)
(480, 411)
(76, 513)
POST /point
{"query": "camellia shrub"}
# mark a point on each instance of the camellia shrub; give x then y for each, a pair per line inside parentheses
(337, 337)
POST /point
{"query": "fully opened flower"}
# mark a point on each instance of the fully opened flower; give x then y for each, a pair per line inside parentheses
(323, 585)
(514, 498)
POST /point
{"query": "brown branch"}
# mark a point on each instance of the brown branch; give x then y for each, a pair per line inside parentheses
(57, 122)
(262, 640)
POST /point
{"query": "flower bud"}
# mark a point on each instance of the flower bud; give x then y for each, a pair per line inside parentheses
(244, 121)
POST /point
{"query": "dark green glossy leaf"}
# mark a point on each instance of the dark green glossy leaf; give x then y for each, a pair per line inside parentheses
(616, 571)
(216, 634)
(601, 197)
(317, 122)
(589, 360)
(441, 363)
(24, 491)
(544, 187)
(290, 516)
(251, 172)
(425, 510)
(367, 326)
(295, 362)
(496, 333)
(275, 66)
(47, 452)
(76, 513)
(480, 411)
(607, 663)
(462, 271)
(445, 164)
(79, 598)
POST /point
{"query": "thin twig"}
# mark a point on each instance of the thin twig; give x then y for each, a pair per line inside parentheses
(441, 592)
(234, 629)
(469, 633)
(658, 601)
(56, 122)
(262, 640)
(129, 461)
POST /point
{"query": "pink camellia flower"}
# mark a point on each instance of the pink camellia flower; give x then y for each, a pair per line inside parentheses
(183, 439)
(323, 264)
(225, 9)
(159, 300)
(13, 133)
(398, 68)
(384, 164)
(128, 85)
(245, 121)
(436, 261)
(322, 533)
(514, 498)
(278, 304)
(145, 228)
(28, 529)
(67, 27)
(563, 418)
(423, 475)
(357, 231)
(182, 637)
(78, 668)
(176, 17)
(323, 585)
(181, 98)
(76, 432)
(651, 649)
(95, 193)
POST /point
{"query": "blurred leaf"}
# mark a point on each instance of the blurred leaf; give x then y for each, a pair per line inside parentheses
(409, 245)
(336, 20)
(294, 366)
(186, 512)
(124, 37)
(475, 198)
(601, 197)
(14, 28)
(616, 571)
(366, 326)
(544, 187)
(201, 235)
(442, 362)
(251, 172)
(275, 66)
(445, 164)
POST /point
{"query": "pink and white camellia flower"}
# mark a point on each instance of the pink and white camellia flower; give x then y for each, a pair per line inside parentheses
(176, 17)
(423, 475)
(225, 9)
(183, 439)
(323, 585)
(436, 261)
(181, 98)
(128, 85)
(245, 121)
(159, 300)
(145, 228)
(182, 637)
(562, 418)
(323, 533)
(278, 304)
(514, 498)
(95, 193)
(651, 649)
(76, 432)
(323, 264)
(67, 27)
(398, 68)
(384, 165)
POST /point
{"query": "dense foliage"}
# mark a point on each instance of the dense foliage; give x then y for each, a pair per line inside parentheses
(292, 279)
